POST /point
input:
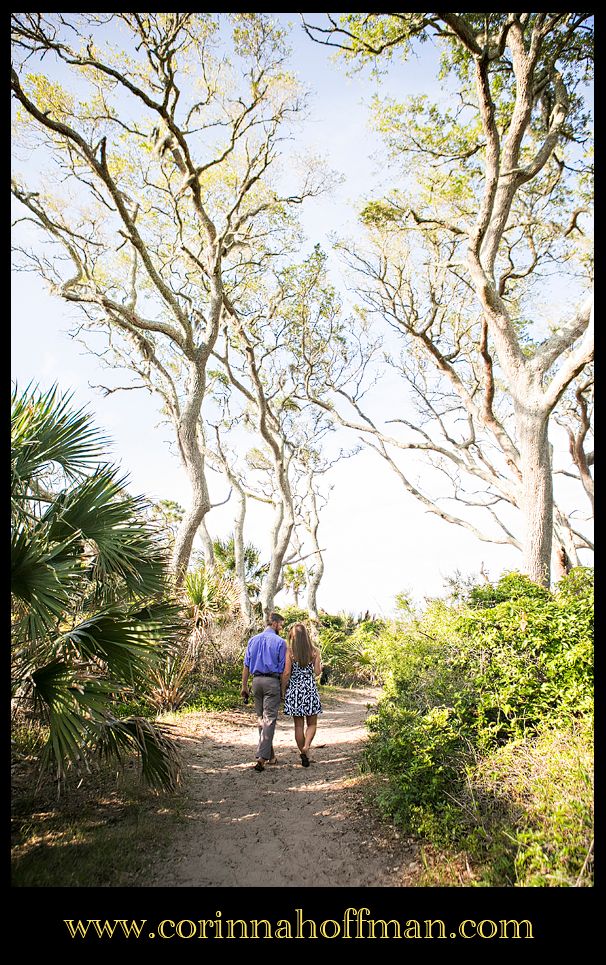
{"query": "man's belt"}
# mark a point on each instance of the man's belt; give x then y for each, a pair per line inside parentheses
(267, 675)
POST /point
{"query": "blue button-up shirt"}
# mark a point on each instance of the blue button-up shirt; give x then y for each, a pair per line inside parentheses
(265, 653)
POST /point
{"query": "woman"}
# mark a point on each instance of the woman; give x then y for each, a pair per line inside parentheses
(301, 697)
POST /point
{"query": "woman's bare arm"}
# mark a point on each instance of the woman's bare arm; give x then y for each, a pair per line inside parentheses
(286, 673)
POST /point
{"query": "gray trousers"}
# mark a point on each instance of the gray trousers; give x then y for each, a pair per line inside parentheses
(266, 691)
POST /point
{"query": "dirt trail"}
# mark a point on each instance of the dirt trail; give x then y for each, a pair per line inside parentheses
(288, 826)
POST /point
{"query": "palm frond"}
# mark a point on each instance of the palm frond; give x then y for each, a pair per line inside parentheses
(42, 578)
(118, 540)
(171, 683)
(129, 643)
(211, 594)
(44, 430)
(225, 560)
(160, 761)
(83, 552)
(72, 701)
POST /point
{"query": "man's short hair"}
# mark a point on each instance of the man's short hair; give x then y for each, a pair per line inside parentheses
(275, 618)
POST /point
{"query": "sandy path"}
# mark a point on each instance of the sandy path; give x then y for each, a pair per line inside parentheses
(289, 825)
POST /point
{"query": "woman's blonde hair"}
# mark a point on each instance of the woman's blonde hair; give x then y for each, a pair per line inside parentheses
(300, 645)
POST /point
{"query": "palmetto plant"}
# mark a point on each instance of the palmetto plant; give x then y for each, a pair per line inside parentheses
(225, 562)
(349, 655)
(211, 594)
(91, 614)
(172, 682)
(212, 598)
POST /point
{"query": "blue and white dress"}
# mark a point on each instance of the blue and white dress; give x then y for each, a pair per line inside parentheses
(302, 698)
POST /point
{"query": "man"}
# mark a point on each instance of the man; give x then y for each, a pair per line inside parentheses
(264, 661)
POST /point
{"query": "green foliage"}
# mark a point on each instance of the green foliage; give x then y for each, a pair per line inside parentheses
(369, 35)
(170, 515)
(481, 697)
(221, 692)
(292, 615)
(548, 781)
(91, 613)
(215, 638)
(531, 658)
(225, 562)
(171, 682)
(295, 578)
(351, 647)
(344, 622)
(512, 586)
(210, 593)
(213, 700)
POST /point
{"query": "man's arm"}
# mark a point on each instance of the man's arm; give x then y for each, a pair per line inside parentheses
(245, 675)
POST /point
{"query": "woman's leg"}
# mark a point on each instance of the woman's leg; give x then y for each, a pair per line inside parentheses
(312, 723)
(299, 734)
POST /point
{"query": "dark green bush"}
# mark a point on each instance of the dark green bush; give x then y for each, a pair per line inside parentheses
(530, 657)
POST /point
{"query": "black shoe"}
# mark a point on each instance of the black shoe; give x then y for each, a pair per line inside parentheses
(304, 759)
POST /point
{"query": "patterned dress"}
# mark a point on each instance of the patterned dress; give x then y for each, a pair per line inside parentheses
(302, 698)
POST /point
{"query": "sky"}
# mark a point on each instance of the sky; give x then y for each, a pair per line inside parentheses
(378, 540)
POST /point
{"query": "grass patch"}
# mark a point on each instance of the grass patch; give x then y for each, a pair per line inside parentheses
(28, 737)
(136, 706)
(221, 691)
(211, 701)
(223, 695)
(101, 834)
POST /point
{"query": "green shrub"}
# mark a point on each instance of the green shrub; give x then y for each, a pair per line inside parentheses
(292, 615)
(511, 586)
(219, 692)
(349, 646)
(210, 593)
(420, 752)
(352, 655)
(530, 656)
(345, 622)
(472, 680)
(548, 783)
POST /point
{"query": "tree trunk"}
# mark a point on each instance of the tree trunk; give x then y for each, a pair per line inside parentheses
(198, 509)
(315, 570)
(240, 563)
(207, 543)
(315, 573)
(537, 493)
(282, 531)
(193, 461)
(564, 554)
(314, 577)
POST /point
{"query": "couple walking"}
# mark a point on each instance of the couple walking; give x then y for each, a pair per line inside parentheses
(287, 672)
